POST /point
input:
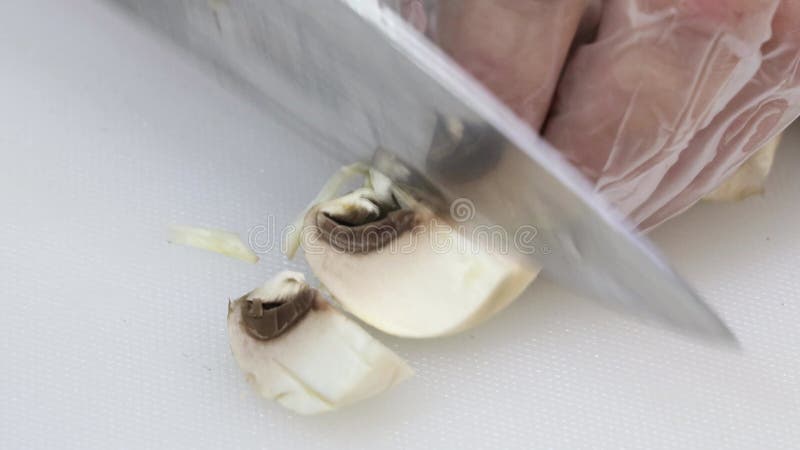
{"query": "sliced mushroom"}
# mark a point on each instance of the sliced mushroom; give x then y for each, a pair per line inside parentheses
(299, 351)
(406, 271)
(219, 241)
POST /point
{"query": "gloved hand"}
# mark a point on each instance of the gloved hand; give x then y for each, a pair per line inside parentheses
(667, 100)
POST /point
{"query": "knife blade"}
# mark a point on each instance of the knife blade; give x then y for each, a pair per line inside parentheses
(355, 79)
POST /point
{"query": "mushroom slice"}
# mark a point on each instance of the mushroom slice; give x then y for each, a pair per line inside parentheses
(406, 271)
(749, 178)
(298, 350)
(219, 241)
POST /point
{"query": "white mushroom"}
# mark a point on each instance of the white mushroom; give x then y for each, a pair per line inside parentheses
(296, 349)
(405, 270)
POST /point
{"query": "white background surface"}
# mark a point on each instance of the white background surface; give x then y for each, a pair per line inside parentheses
(111, 338)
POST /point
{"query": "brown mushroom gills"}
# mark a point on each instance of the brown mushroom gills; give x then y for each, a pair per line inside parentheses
(266, 319)
(364, 238)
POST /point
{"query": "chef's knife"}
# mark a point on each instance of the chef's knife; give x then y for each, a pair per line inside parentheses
(354, 78)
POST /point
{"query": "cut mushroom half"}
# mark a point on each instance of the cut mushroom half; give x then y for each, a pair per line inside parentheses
(298, 350)
(402, 269)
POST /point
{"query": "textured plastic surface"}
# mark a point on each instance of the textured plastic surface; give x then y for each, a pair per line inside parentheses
(112, 338)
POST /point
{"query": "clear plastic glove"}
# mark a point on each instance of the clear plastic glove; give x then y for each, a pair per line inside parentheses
(763, 108)
(670, 97)
(500, 42)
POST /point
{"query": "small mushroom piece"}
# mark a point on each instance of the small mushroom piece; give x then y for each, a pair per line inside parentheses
(298, 350)
(749, 178)
(219, 241)
(406, 271)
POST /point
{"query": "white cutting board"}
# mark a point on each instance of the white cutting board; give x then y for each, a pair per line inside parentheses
(111, 338)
